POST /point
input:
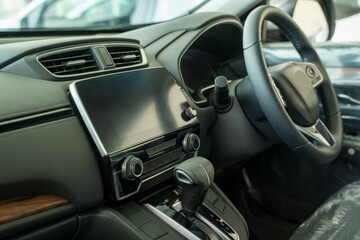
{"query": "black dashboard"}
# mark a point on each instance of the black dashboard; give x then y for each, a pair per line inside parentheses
(74, 109)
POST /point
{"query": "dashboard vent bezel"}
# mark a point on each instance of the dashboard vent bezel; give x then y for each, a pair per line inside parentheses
(125, 56)
(98, 60)
(72, 62)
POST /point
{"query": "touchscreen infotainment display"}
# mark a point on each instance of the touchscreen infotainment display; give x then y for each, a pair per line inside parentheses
(126, 109)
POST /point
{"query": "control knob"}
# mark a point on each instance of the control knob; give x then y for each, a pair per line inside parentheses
(131, 168)
(191, 143)
(222, 100)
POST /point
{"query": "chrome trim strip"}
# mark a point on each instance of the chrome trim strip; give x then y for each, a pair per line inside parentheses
(318, 132)
(89, 46)
(86, 119)
(140, 184)
(207, 174)
(172, 223)
(85, 116)
(183, 177)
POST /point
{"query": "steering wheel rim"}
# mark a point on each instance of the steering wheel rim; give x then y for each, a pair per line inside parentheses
(268, 95)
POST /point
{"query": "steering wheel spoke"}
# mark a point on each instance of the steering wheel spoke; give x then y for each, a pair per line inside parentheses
(318, 134)
(312, 72)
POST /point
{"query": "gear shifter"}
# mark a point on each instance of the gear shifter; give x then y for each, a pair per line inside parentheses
(195, 176)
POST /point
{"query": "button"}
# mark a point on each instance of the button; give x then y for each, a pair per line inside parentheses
(105, 56)
(211, 196)
(191, 143)
(153, 230)
(139, 218)
(188, 114)
(310, 72)
(220, 205)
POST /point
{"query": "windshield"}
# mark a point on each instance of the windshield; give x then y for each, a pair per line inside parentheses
(21, 15)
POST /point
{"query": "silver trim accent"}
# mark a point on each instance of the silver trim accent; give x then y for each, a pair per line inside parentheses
(224, 21)
(128, 57)
(171, 222)
(75, 63)
(183, 177)
(89, 46)
(140, 184)
(86, 118)
(75, 95)
(277, 91)
(207, 174)
(177, 206)
(133, 168)
(318, 132)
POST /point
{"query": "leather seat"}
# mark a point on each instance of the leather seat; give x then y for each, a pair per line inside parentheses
(337, 219)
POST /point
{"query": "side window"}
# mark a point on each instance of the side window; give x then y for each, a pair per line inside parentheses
(315, 25)
(67, 13)
(58, 9)
(347, 21)
(309, 15)
(55, 13)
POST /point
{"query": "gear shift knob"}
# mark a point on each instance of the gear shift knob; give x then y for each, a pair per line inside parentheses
(195, 176)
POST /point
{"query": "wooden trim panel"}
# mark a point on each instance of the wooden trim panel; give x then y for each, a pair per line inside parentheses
(19, 207)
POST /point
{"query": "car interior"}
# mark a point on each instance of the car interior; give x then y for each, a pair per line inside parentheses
(207, 126)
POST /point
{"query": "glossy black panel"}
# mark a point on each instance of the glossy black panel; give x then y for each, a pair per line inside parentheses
(129, 108)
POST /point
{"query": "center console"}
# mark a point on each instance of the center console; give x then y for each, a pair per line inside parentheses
(160, 216)
(141, 125)
(194, 210)
(147, 137)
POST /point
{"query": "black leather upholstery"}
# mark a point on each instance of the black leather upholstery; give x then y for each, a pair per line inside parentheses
(337, 218)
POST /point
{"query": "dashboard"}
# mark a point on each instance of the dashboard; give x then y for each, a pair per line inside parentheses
(78, 113)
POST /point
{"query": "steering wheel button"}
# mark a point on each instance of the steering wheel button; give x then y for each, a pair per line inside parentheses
(310, 72)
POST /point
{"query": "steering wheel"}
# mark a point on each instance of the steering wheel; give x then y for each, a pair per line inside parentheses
(289, 93)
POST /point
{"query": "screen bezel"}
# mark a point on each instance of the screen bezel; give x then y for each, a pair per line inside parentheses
(150, 73)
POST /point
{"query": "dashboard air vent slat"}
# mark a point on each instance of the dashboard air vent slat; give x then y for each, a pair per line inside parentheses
(125, 56)
(71, 62)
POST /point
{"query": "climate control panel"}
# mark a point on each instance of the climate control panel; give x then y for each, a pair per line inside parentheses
(145, 165)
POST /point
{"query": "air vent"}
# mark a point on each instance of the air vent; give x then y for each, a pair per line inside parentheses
(70, 63)
(125, 56)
